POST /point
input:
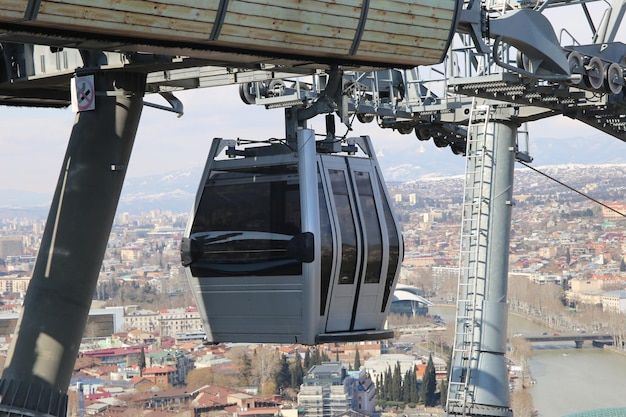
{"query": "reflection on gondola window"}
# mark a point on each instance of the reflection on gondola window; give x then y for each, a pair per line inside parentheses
(347, 228)
(372, 228)
(244, 223)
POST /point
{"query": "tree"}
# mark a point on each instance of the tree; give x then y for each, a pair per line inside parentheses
(307, 360)
(268, 389)
(521, 350)
(282, 379)
(315, 357)
(522, 403)
(226, 380)
(265, 364)
(444, 384)
(410, 393)
(200, 377)
(297, 373)
(396, 384)
(357, 361)
(142, 361)
(443, 392)
(246, 369)
(387, 385)
(406, 387)
(429, 383)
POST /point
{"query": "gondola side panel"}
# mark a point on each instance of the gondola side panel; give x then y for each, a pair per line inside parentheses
(237, 311)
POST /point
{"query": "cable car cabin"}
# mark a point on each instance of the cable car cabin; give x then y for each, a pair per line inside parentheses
(289, 245)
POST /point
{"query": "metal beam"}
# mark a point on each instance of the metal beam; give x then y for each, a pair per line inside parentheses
(50, 328)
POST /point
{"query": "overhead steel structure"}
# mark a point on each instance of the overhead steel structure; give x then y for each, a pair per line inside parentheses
(138, 47)
(285, 35)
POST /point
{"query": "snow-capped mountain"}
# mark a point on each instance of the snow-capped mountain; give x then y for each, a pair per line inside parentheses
(175, 190)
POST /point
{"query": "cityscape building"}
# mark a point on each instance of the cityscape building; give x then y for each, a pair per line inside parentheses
(614, 301)
(556, 240)
(326, 390)
(11, 246)
(363, 392)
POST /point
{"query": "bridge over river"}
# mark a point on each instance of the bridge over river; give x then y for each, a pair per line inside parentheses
(577, 338)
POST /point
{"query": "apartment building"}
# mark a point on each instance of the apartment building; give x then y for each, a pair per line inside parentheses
(168, 322)
(11, 246)
(140, 319)
(179, 320)
(614, 301)
(326, 390)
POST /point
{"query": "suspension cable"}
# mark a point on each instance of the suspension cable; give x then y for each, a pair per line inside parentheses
(572, 189)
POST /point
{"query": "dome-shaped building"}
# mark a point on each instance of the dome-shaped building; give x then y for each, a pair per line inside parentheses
(408, 301)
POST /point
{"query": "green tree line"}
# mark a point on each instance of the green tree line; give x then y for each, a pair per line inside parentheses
(392, 389)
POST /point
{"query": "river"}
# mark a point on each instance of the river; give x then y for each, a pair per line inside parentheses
(568, 380)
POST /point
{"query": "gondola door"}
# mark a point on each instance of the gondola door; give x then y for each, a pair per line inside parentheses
(368, 245)
(343, 285)
(375, 244)
(383, 245)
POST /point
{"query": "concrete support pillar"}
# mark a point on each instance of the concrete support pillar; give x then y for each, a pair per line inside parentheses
(487, 387)
(490, 378)
(49, 331)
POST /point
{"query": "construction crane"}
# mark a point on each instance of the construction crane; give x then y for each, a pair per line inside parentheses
(505, 67)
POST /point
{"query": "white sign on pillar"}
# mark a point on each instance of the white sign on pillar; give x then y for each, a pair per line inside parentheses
(83, 93)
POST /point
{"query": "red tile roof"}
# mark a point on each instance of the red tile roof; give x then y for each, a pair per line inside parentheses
(158, 370)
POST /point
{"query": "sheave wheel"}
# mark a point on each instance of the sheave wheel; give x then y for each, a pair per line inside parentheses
(365, 118)
(614, 78)
(576, 67)
(594, 77)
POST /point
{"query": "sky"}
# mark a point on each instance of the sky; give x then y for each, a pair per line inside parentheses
(33, 141)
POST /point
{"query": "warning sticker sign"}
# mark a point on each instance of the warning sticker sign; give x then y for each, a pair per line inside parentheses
(83, 93)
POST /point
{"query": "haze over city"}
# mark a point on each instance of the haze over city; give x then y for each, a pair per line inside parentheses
(33, 141)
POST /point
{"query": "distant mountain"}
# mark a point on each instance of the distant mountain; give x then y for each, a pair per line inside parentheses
(593, 150)
(171, 191)
(413, 160)
(19, 202)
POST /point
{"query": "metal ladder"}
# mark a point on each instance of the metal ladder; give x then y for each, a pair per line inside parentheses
(473, 258)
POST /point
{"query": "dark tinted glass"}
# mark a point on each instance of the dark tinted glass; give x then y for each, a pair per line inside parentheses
(245, 223)
(372, 227)
(345, 218)
(394, 248)
(326, 242)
